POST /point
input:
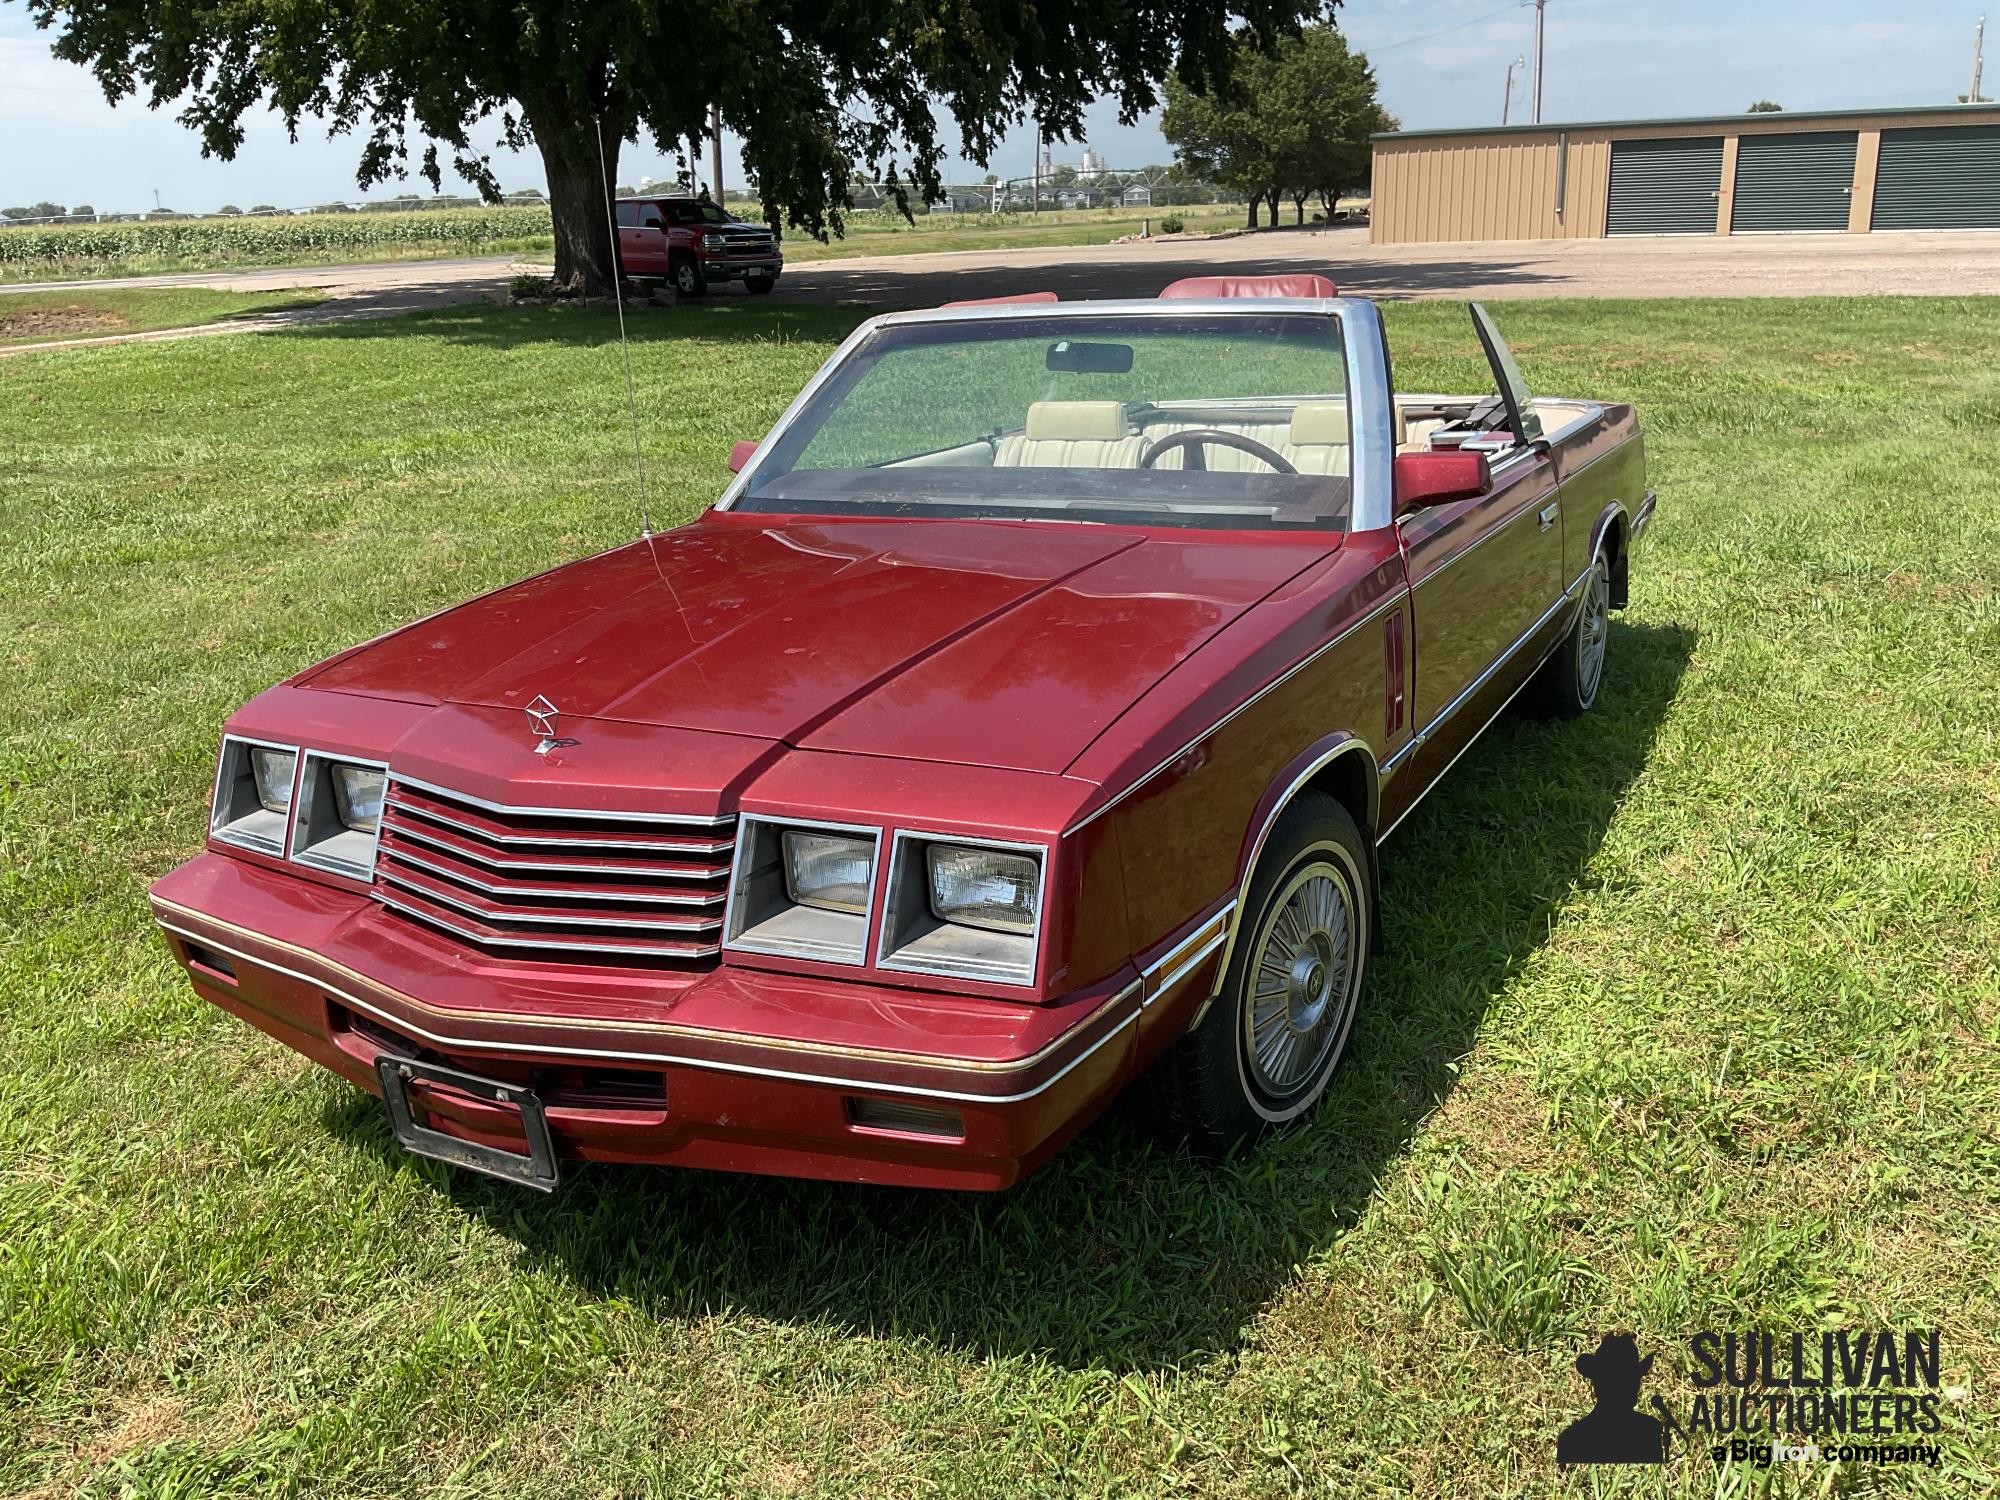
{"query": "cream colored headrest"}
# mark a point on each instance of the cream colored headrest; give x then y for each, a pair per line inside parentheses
(1319, 424)
(1077, 421)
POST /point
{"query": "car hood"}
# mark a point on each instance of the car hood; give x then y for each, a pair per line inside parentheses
(976, 643)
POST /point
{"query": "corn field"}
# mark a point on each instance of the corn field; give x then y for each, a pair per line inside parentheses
(245, 241)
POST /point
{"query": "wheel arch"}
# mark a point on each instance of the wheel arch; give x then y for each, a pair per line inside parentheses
(1612, 533)
(1343, 766)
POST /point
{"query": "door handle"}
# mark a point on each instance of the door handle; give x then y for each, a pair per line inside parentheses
(1548, 515)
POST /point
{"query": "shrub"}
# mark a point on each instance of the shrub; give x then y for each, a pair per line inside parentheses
(1172, 224)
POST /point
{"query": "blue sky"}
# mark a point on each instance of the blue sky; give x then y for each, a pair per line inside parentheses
(1439, 65)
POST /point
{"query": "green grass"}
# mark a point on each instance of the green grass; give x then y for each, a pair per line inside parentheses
(47, 317)
(1688, 1015)
(888, 234)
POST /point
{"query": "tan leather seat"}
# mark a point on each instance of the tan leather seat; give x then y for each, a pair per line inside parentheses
(1317, 440)
(1072, 435)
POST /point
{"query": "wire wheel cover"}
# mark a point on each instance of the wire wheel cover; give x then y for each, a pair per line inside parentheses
(1302, 982)
(1596, 617)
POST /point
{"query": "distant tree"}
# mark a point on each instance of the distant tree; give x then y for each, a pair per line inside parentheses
(811, 90)
(1293, 121)
(230, 211)
(263, 208)
(1220, 135)
(43, 210)
(1765, 107)
(622, 191)
(525, 193)
(82, 211)
(1321, 108)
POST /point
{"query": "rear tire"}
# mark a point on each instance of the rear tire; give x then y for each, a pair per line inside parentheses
(1277, 1030)
(688, 280)
(1567, 684)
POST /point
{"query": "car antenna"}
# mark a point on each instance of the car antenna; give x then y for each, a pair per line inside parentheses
(624, 346)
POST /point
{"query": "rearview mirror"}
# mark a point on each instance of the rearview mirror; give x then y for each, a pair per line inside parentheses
(740, 455)
(1073, 358)
(1423, 479)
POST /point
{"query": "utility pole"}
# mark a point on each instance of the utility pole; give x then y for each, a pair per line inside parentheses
(1507, 104)
(1978, 47)
(715, 134)
(1540, 6)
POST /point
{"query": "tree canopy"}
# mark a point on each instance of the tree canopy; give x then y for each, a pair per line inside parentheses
(813, 90)
(1766, 107)
(1291, 121)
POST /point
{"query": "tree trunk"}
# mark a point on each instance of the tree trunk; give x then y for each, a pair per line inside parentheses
(1256, 202)
(586, 259)
(1272, 196)
(1298, 208)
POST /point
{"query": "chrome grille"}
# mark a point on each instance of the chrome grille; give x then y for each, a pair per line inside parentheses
(565, 886)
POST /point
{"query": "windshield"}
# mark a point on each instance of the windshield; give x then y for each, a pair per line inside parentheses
(1220, 420)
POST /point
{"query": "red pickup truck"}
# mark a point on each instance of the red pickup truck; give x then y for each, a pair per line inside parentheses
(694, 242)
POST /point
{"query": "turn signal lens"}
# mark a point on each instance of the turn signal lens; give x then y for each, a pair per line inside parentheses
(828, 871)
(985, 888)
(273, 770)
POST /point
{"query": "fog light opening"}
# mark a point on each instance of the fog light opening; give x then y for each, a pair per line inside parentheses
(899, 1117)
(218, 964)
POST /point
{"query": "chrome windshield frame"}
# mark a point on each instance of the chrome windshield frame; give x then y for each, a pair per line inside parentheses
(1370, 425)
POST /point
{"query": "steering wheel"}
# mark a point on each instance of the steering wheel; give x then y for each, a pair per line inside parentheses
(1194, 439)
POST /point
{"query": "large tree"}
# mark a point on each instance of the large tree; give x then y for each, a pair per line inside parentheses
(815, 88)
(1292, 120)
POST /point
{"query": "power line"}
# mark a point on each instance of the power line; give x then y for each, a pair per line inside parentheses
(1411, 41)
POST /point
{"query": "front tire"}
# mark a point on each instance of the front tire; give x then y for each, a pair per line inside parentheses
(1272, 1040)
(1568, 682)
(761, 285)
(688, 280)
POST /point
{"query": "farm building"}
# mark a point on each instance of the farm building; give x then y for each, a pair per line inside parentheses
(1845, 170)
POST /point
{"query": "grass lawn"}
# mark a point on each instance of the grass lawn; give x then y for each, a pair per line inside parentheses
(46, 317)
(1689, 1016)
(888, 234)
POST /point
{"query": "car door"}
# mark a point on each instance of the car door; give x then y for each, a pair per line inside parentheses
(1485, 574)
(642, 239)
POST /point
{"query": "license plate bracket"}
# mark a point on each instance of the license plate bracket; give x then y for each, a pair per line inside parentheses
(537, 1169)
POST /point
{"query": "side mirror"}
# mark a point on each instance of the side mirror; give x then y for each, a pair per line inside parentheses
(740, 455)
(1438, 478)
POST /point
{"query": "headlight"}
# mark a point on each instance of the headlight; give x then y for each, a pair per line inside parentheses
(987, 888)
(340, 814)
(357, 796)
(829, 871)
(802, 890)
(253, 794)
(971, 911)
(274, 770)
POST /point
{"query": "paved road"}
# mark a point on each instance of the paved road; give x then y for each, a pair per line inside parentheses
(1700, 266)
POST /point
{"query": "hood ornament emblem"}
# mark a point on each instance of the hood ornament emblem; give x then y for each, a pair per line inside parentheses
(542, 717)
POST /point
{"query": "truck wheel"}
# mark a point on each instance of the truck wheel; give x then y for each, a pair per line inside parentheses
(761, 285)
(688, 280)
(1567, 683)
(1278, 1028)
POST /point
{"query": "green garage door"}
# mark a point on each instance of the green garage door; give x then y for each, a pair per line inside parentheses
(1939, 179)
(1793, 182)
(1665, 186)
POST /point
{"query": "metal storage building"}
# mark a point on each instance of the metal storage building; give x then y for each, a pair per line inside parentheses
(1838, 170)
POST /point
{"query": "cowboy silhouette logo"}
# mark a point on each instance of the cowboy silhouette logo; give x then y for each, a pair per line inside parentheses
(1614, 1431)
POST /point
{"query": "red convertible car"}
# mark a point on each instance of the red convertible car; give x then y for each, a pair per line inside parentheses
(1024, 716)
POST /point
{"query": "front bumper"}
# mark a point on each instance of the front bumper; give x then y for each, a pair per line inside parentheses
(741, 270)
(736, 1068)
